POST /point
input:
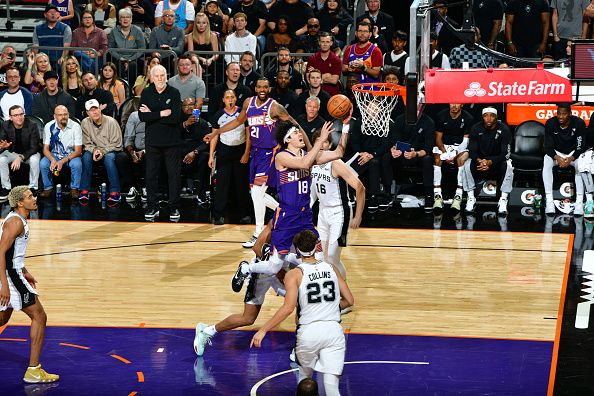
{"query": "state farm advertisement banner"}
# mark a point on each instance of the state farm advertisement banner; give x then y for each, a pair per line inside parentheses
(495, 86)
(517, 113)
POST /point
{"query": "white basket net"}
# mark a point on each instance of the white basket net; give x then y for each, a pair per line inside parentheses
(376, 102)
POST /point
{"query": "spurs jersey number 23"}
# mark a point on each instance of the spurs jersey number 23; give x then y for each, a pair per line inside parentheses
(319, 294)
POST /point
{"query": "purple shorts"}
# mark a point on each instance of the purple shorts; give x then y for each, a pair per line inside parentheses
(261, 162)
(286, 224)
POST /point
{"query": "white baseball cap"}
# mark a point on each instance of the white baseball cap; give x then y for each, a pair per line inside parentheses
(89, 104)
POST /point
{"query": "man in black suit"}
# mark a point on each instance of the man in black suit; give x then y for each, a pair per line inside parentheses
(19, 141)
(383, 21)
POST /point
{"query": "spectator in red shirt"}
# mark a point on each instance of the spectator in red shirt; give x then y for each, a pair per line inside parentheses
(328, 63)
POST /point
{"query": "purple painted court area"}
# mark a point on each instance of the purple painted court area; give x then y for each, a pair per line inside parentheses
(162, 362)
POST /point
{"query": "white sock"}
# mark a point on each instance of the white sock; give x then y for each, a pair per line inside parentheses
(550, 197)
(588, 196)
(210, 330)
(460, 176)
(504, 195)
(471, 194)
(437, 190)
(258, 193)
(459, 191)
(436, 175)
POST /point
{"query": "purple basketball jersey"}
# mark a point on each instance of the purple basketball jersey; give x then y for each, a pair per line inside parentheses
(293, 186)
(261, 126)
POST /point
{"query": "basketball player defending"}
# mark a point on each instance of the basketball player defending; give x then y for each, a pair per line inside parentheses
(292, 164)
(261, 112)
(321, 293)
(329, 185)
(17, 285)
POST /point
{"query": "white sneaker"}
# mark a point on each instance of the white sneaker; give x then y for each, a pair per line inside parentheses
(201, 339)
(250, 242)
(502, 206)
(470, 204)
(132, 194)
(550, 207)
(346, 310)
(292, 355)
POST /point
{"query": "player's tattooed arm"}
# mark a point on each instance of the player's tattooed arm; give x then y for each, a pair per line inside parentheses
(278, 112)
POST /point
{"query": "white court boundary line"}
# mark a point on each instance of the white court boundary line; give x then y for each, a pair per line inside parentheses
(266, 379)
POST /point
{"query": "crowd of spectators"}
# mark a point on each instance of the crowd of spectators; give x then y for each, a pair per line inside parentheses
(126, 41)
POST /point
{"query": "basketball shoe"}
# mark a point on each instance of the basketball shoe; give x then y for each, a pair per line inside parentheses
(37, 375)
(456, 203)
(201, 339)
(250, 242)
(470, 204)
(437, 202)
(239, 277)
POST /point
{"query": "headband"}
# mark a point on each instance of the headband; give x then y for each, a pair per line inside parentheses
(289, 132)
(489, 110)
(306, 254)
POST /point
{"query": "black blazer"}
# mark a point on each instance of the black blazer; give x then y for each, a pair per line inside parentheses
(384, 22)
(30, 137)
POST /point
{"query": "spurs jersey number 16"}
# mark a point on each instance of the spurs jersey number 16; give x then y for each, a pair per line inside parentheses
(319, 294)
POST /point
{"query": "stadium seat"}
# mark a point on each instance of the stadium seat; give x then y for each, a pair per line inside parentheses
(527, 147)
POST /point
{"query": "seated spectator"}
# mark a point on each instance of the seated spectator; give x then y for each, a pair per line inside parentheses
(203, 39)
(182, 10)
(256, 19)
(398, 56)
(134, 158)
(232, 156)
(297, 11)
(470, 53)
(195, 152)
(14, 94)
(284, 63)
(421, 138)
(167, 37)
(241, 40)
(71, 77)
(242, 92)
(62, 146)
(282, 93)
(37, 66)
(335, 20)
(127, 36)
(7, 61)
(66, 10)
(186, 82)
(314, 79)
(102, 140)
(22, 137)
(104, 14)
(110, 81)
(328, 64)
(282, 36)
(311, 120)
(248, 75)
(217, 18)
(44, 104)
(89, 35)
(93, 91)
(144, 80)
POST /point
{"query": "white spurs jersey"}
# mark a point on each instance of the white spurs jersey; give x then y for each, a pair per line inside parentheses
(319, 294)
(15, 256)
(330, 190)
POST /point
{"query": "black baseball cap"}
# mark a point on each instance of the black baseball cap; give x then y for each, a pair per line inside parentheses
(51, 7)
(50, 74)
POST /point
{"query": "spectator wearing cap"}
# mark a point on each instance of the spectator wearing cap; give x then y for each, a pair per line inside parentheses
(398, 56)
(92, 91)
(489, 158)
(102, 141)
(53, 33)
(45, 103)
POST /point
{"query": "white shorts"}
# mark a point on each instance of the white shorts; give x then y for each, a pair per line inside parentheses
(257, 287)
(321, 346)
(451, 151)
(333, 224)
(22, 294)
(585, 162)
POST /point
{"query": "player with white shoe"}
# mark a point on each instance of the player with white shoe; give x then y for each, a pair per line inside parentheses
(320, 292)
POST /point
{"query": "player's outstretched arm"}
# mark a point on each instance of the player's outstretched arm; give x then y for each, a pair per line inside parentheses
(340, 169)
(288, 161)
(292, 281)
(346, 297)
(11, 229)
(240, 120)
(338, 152)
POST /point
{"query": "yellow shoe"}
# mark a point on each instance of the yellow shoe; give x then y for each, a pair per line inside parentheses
(37, 375)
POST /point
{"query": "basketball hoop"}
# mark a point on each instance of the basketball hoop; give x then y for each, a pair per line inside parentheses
(376, 102)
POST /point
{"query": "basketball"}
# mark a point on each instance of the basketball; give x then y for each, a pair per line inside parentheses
(339, 106)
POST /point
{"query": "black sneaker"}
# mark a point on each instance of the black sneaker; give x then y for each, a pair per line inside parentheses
(429, 201)
(238, 278)
(385, 202)
(151, 215)
(174, 215)
(265, 256)
(4, 194)
(219, 221)
(372, 204)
